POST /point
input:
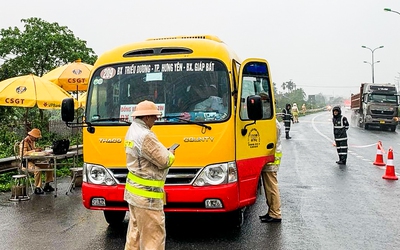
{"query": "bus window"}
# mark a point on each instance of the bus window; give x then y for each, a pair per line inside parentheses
(253, 85)
(194, 89)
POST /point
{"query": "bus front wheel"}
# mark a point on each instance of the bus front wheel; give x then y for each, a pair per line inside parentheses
(114, 217)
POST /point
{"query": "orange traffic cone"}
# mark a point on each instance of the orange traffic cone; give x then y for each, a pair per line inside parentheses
(379, 155)
(390, 173)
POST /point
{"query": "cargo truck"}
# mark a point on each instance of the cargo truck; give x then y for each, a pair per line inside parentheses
(375, 105)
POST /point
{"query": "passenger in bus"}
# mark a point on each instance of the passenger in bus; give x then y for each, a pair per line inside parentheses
(210, 99)
(266, 104)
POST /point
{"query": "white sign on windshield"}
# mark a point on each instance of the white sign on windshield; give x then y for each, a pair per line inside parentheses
(153, 77)
(125, 111)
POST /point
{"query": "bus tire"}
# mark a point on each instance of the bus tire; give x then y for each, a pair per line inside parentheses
(114, 217)
(236, 218)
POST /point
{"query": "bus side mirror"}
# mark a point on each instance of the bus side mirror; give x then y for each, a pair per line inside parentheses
(254, 111)
(67, 110)
(254, 107)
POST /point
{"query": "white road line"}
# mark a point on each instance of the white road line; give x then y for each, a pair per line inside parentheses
(350, 145)
(331, 140)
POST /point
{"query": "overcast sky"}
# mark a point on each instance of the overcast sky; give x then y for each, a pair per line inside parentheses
(314, 43)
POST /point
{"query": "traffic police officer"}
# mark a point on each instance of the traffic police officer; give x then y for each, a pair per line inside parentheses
(148, 162)
(340, 126)
(287, 117)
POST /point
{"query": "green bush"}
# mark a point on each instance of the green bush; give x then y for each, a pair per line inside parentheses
(5, 181)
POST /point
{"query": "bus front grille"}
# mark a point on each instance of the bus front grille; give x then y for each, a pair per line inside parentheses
(176, 176)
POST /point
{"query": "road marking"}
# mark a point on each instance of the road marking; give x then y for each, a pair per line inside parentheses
(331, 140)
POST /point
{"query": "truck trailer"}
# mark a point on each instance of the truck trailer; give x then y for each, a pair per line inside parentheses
(375, 105)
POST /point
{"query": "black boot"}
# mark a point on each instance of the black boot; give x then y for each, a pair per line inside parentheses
(287, 136)
(38, 190)
(270, 219)
(47, 188)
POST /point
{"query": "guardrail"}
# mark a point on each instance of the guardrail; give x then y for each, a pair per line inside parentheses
(10, 163)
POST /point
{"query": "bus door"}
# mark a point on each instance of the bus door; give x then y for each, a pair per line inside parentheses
(255, 143)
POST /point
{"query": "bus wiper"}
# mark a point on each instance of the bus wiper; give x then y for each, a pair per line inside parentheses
(188, 121)
(112, 119)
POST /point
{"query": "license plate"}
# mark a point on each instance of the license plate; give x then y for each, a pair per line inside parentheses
(98, 202)
(382, 122)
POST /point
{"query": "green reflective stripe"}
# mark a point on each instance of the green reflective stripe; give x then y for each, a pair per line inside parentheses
(144, 193)
(171, 159)
(278, 156)
(145, 182)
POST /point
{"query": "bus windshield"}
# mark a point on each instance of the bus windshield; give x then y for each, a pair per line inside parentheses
(195, 90)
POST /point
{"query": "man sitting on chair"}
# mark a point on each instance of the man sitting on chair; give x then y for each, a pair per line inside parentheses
(27, 147)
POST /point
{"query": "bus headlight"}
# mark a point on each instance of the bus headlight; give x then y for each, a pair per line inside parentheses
(99, 175)
(217, 174)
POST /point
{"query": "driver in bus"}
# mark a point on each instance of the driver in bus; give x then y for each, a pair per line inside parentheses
(210, 99)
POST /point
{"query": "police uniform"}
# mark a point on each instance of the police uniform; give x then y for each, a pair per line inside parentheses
(287, 119)
(148, 162)
(340, 127)
(270, 183)
(28, 146)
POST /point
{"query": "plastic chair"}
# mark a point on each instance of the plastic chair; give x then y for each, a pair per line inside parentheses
(20, 164)
(19, 190)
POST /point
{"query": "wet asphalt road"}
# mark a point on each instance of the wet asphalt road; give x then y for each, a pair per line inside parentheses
(324, 206)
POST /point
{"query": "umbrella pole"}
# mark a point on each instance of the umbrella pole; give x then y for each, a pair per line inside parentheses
(77, 113)
(26, 120)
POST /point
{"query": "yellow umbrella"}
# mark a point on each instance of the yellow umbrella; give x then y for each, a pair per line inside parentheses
(71, 77)
(30, 90)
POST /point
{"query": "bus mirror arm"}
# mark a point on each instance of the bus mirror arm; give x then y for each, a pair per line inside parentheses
(75, 125)
(78, 124)
(88, 126)
(244, 130)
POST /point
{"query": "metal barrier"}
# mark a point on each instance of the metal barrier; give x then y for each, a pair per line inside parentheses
(9, 164)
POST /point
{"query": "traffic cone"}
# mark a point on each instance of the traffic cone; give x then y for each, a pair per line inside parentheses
(379, 155)
(390, 173)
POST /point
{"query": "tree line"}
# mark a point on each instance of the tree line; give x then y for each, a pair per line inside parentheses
(36, 49)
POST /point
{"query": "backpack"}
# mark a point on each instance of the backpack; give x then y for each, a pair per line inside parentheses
(60, 146)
